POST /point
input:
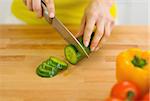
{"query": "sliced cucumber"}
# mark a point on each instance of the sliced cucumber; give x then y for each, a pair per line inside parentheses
(51, 67)
(46, 71)
(72, 54)
(87, 49)
(58, 63)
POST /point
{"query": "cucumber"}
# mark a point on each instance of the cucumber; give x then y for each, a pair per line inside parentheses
(58, 63)
(51, 67)
(87, 49)
(46, 71)
(72, 55)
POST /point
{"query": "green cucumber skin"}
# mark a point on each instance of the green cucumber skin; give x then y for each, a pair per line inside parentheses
(80, 39)
(87, 49)
(41, 74)
(50, 68)
(58, 65)
(45, 74)
(78, 54)
(45, 70)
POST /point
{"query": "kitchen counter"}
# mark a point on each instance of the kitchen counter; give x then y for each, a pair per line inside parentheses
(23, 48)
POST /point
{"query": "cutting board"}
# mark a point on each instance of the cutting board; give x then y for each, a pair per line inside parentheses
(23, 48)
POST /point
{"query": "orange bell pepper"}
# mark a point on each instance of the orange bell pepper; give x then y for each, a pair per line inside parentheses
(134, 65)
(146, 97)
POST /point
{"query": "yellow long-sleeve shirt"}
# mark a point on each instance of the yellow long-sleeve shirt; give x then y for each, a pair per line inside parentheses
(68, 11)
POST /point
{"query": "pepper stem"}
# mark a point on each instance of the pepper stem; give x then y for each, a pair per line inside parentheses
(130, 96)
(138, 62)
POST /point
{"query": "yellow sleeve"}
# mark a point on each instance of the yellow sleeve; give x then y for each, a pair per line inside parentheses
(113, 11)
(68, 11)
(21, 12)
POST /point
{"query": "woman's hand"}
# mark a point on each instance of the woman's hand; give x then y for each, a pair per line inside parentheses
(35, 5)
(97, 15)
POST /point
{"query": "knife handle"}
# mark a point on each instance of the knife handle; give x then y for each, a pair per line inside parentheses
(45, 12)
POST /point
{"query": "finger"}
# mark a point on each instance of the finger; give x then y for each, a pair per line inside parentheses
(108, 15)
(100, 43)
(106, 35)
(82, 26)
(29, 4)
(107, 30)
(51, 8)
(25, 2)
(112, 24)
(98, 34)
(37, 7)
(90, 22)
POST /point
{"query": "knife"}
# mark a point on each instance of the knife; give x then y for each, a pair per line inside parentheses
(63, 31)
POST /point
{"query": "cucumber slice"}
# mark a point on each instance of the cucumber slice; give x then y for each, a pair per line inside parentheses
(62, 65)
(71, 54)
(51, 67)
(45, 71)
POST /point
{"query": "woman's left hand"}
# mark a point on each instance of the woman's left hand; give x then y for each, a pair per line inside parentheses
(97, 15)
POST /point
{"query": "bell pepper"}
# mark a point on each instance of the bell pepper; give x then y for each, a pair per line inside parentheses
(134, 65)
(146, 97)
(126, 91)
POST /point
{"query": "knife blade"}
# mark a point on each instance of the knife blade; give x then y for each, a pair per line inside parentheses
(63, 31)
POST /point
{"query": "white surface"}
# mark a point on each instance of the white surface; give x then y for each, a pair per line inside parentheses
(149, 12)
(129, 12)
(133, 11)
(6, 17)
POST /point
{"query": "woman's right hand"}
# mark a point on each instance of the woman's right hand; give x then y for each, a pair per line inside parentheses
(35, 5)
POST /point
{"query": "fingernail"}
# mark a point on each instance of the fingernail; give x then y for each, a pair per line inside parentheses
(51, 15)
(92, 49)
(86, 43)
(39, 15)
